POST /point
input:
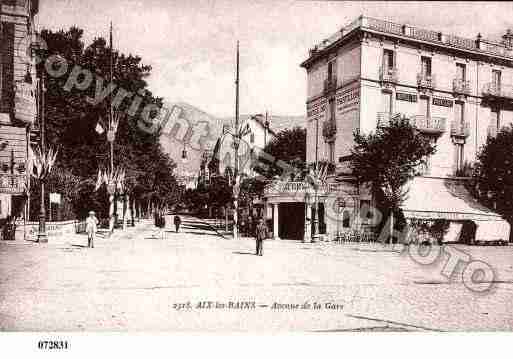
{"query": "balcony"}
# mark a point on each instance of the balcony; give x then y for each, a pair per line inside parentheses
(494, 90)
(425, 81)
(388, 75)
(424, 124)
(459, 129)
(431, 125)
(384, 118)
(460, 86)
(13, 184)
(329, 129)
(330, 85)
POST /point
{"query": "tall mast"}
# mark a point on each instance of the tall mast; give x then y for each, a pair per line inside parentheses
(237, 139)
(111, 114)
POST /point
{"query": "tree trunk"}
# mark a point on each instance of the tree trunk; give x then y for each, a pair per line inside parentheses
(391, 226)
(124, 211)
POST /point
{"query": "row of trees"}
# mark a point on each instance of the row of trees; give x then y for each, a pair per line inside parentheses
(71, 121)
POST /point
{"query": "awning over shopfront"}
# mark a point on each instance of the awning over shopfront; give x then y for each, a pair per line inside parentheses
(436, 198)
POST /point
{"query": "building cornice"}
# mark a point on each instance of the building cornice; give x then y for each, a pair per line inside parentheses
(405, 33)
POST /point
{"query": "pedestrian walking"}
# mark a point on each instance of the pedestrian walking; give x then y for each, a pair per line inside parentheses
(91, 228)
(261, 233)
(160, 223)
(178, 221)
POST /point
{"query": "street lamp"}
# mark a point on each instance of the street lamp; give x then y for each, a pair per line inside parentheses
(41, 168)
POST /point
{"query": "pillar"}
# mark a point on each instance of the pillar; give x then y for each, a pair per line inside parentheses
(276, 221)
(307, 238)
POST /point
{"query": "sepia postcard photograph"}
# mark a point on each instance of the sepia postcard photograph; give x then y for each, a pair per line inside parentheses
(255, 166)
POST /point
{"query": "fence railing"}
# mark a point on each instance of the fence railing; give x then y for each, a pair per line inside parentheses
(388, 74)
(461, 86)
(498, 90)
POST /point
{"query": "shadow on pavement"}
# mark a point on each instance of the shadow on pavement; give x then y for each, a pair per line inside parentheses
(244, 253)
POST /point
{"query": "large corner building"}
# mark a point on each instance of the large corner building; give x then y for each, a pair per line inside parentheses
(457, 91)
(17, 101)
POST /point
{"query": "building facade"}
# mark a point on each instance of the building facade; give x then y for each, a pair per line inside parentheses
(18, 108)
(454, 90)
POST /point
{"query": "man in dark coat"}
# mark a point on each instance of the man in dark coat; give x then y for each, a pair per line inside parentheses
(261, 233)
(178, 221)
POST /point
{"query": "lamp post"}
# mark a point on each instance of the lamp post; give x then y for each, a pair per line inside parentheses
(41, 236)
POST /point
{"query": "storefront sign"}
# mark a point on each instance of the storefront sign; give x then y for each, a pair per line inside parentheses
(451, 216)
(348, 98)
(316, 110)
(442, 102)
(402, 96)
(55, 198)
(24, 102)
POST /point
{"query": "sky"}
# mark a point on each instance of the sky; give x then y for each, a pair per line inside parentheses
(190, 44)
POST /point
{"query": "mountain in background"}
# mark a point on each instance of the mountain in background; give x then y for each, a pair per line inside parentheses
(195, 115)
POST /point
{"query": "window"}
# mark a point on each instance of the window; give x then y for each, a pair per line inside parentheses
(461, 72)
(331, 152)
(460, 158)
(252, 137)
(459, 113)
(388, 59)
(424, 109)
(332, 75)
(495, 120)
(425, 66)
(387, 102)
(496, 79)
(332, 109)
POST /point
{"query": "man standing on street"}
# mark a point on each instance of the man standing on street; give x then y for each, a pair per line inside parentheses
(261, 234)
(178, 221)
(91, 228)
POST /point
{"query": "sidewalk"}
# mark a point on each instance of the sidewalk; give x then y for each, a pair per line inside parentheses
(80, 239)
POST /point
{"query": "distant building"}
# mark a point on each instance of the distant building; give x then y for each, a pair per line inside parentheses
(258, 134)
(456, 91)
(17, 100)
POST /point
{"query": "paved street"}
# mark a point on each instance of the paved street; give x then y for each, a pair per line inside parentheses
(136, 282)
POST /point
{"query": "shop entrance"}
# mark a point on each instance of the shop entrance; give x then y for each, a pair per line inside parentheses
(292, 220)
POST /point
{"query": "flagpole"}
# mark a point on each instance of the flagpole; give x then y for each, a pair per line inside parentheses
(111, 115)
(110, 139)
(236, 147)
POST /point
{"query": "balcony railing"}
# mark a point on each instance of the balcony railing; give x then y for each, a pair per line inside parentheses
(460, 86)
(14, 184)
(405, 30)
(384, 118)
(299, 188)
(388, 74)
(432, 125)
(498, 90)
(425, 81)
(492, 131)
(459, 129)
(330, 84)
(329, 129)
